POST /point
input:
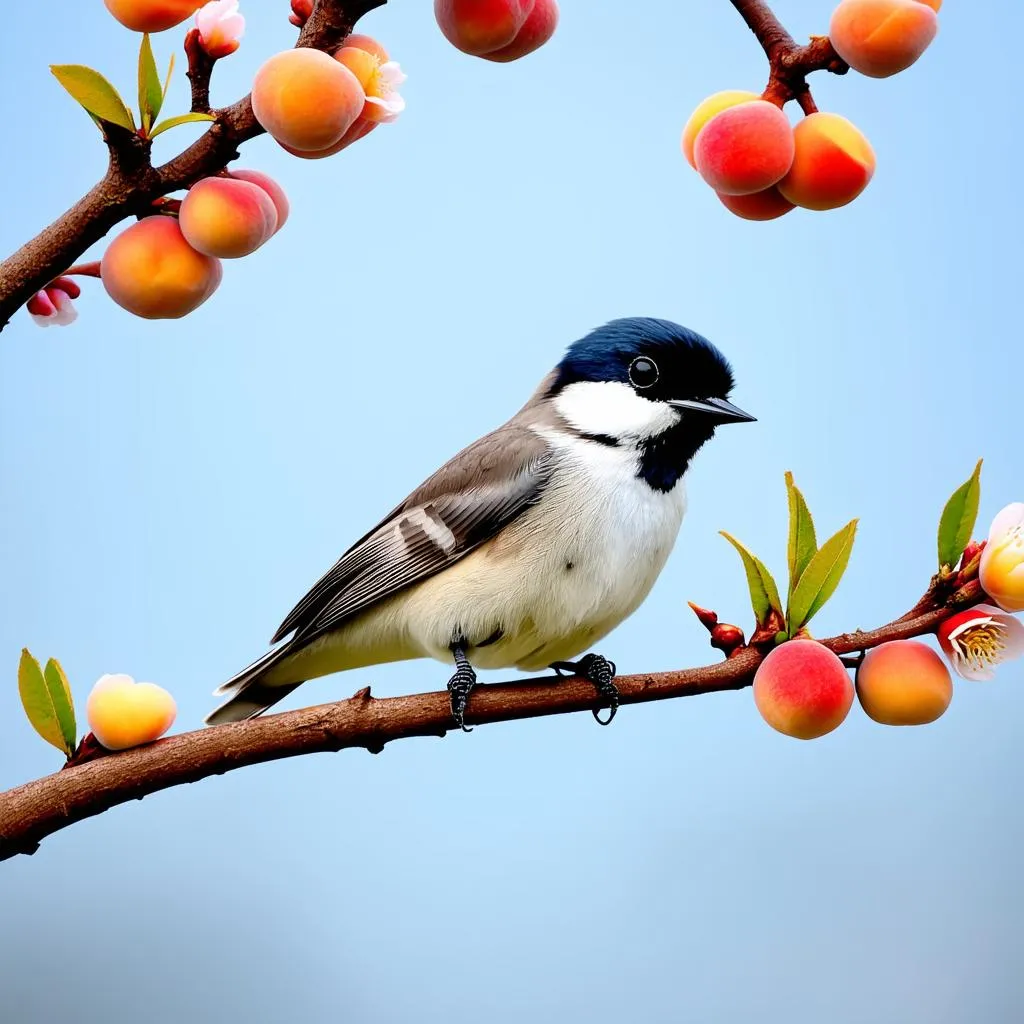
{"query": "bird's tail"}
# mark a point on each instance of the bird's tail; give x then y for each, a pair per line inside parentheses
(251, 694)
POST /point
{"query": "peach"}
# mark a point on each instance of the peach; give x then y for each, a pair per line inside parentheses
(367, 43)
(933, 4)
(271, 187)
(227, 218)
(706, 110)
(832, 166)
(479, 27)
(123, 713)
(879, 38)
(904, 683)
(354, 134)
(744, 148)
(378, 78)
(803, 690)
(152, 15)
(766, 205)
(306, 99)
(538, 28)
(151, 271)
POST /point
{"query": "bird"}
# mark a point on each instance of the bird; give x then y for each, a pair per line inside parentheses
(531, 544)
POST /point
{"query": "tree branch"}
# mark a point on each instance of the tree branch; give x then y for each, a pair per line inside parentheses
(37, 809)
(131, 184)
(790, 64)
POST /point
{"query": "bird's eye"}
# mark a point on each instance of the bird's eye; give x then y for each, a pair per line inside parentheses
(643, 372)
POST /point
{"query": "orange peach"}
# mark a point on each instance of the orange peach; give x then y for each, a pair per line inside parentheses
(879, 38)
(152, 15)
(706, 110)
(306, 99)
(744, 148)
(904, 683)
(151, 270)
(123, 713)
(766, 205)
(271, 187)
(832, 166)
(538, 28)
(933, 4)
(227, 218)
(358, 130)
(479, 27)
(803, 690)
(367, 43)
(378, 78)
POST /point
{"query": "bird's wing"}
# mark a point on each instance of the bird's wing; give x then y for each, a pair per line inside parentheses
(466, 502)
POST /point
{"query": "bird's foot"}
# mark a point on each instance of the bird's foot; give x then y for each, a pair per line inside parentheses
(460, 686)
(599, 671)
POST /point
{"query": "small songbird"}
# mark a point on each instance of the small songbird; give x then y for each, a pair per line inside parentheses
(531, 544)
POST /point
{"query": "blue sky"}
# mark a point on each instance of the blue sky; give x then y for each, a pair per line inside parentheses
(170, 489)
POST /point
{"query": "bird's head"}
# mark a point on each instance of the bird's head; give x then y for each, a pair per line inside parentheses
(646, 383)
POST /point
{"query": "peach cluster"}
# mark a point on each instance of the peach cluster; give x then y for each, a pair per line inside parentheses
(761, 168)
(498, 30)
(315, 104)
(880, 38)
(164, 267)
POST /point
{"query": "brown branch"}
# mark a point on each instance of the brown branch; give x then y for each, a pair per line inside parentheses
(200, 69)
(131, 183)
(790, 63)
(37, 809)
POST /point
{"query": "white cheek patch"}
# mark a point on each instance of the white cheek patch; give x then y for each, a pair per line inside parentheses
(613, 408)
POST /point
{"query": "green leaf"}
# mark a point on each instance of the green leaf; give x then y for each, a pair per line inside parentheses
(764, 594)
(46, 699)
(803, 544)
(821, 577)
(151, 95)
(167, 81)
(173, 122)
(94, 93)
(958, 519)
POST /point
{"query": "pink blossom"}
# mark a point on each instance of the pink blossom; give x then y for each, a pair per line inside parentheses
(220, 27)
(53, 306)
(978, 639)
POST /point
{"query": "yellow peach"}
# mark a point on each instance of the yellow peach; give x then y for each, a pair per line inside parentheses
(227, 218)
(123, 713)
(832, 165)
(151, 271)
(880, 38)
(706, 110)
(904, 683)
(358, 130)
(306, 99)
(152, 15)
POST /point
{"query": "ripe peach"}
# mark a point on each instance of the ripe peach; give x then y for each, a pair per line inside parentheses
(744, 148)
(904, 683)
(479, 27)
(151, 270)
(152, 15)
(123, 713)
(271, 187)
(227, 218)
(706, 110)
(933, 4)
(538, 28)
(802, 689)
(367, 43)
(378, 79)
(766, 205)
(354, 134)
(879, 38)
(306, 99)
(832, 166)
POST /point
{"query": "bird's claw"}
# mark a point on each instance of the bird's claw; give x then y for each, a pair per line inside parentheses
(460, 686)
(599, 671)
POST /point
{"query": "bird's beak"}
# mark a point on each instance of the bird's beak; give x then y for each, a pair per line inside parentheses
(718, 409)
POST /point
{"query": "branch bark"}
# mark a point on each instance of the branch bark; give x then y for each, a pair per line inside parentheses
(131, 183)
(37, 809)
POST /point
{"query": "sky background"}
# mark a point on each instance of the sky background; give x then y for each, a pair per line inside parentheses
(169, 490)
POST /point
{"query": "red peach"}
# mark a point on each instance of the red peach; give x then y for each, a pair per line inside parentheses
(227, 218)
(538, 28)
(832, 166)
(744, 148)
(802, 689)
(706, 110)
(766, 205)
(358, 130)
(904, 683)
(152, 15)
(478, 27)
(151, 270)
(271, 187)
(879, 38)
(306, 99)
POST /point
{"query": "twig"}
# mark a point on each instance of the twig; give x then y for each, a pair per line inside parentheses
(37, 809)
(200, 70)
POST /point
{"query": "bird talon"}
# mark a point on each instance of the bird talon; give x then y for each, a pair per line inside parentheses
(601, 673)
(460, 686)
